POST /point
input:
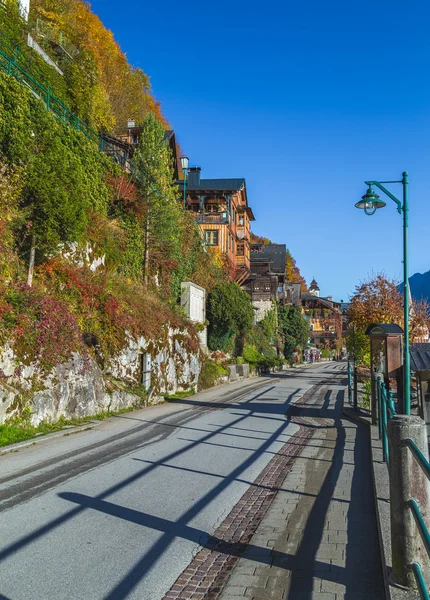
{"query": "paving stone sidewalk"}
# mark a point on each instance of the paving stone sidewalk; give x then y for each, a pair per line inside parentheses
(318, 540)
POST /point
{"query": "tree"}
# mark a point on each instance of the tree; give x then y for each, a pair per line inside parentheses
(230, 315)
(294, 328)
(376, 300)
(162, 213)
(292, 272)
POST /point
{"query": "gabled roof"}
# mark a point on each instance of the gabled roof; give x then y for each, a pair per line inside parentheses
(323, 301)
(383, 329)
(420, 357)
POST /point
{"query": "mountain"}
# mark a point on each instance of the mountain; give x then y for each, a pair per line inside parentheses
(420, 286)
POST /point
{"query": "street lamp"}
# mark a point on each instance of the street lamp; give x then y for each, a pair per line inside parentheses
(184, 165)
(370, 202)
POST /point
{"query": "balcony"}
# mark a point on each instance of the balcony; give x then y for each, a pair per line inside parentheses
(214, 218)
(320, 333)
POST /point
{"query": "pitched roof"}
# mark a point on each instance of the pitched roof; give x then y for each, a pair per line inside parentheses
(323, 301)
(383, 329)
(275, 254)
(420, 357)
(222, 185)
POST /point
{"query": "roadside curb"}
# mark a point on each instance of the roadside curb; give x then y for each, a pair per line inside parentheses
(44, 438)
(253, 381)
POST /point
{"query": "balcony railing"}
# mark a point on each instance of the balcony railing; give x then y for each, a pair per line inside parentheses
(213, 218)
(322, 333)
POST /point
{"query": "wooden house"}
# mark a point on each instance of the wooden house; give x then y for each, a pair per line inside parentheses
(324, 316)
(221, 209)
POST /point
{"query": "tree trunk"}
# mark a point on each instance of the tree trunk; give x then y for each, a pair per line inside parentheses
(31, 263)
(146, 253)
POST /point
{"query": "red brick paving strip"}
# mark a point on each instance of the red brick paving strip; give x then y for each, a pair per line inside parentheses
(208, 572)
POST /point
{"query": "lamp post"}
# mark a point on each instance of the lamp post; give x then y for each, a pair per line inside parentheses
(370, 202)
(184, 165)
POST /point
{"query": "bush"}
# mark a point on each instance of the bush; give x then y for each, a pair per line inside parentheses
(230, 315)
(210, 374)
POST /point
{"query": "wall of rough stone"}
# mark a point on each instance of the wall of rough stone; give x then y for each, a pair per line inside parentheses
(81, 388)
(262, 307)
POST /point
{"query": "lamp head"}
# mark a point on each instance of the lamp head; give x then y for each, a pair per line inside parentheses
(370, 202)
(184, 162)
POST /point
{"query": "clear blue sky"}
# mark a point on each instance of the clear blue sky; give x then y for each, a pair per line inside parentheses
(305, 100)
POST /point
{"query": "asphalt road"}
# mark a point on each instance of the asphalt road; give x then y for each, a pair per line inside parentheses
(119, 511)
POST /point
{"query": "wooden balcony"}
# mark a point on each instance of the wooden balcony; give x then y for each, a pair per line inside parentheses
(321, 333)
(219, 218)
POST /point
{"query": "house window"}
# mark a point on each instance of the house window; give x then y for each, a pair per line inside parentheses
(267, 287)
(241, 221)
(241, 250)
(211, 208)
(211, 237)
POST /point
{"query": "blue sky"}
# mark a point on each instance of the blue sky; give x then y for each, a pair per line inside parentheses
(306, 100)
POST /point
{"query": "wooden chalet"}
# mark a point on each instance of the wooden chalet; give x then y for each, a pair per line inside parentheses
(221, 209)
(125, 144)
(324, 316)
(267, 277)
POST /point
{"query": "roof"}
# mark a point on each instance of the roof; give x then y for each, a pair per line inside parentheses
(420, 357)
(275, 254)
(212, 185)
(383, 329)
(314, 284)
(323, 301)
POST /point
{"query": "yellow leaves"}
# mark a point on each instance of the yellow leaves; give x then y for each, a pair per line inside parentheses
(124, 90)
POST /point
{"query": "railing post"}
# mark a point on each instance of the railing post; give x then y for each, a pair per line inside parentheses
(407, 480)
(349, 383)
(355, 390)
(48, 98)
(384, 412)
(379, 402)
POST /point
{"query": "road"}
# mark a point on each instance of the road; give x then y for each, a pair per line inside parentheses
(120, 511)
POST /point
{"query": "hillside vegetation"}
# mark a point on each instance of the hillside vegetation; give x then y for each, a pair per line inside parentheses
(89, 253)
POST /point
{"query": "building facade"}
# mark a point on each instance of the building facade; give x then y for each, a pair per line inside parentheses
(324, 316)
(267, 282)
(220, 207)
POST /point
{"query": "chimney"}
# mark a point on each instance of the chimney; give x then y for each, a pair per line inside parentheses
(194, 177)
(330, 298)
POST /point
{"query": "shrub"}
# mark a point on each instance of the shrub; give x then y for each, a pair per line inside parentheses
(210, 374)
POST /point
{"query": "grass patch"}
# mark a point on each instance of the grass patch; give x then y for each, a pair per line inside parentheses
(179, 395)
(21, 430)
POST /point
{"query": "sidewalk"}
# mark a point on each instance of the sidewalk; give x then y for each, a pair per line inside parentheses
(318, 540)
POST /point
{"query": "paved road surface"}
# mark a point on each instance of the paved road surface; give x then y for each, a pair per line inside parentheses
(121, 511)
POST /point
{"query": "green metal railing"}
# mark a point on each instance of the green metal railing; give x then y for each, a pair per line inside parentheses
(15, 62)
(387, 410)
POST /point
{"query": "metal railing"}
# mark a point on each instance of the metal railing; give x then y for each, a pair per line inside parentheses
(386, 411)
(15, 63)
(359, 392)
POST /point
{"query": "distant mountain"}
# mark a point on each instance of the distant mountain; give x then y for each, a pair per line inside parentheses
(420, 286)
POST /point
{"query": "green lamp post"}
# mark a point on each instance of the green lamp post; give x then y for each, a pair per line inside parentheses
(370, 202)
(184, 165)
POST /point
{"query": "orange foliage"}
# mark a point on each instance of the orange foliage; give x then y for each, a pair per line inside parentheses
(126, 89)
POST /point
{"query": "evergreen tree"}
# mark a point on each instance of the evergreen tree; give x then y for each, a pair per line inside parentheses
(162, 213)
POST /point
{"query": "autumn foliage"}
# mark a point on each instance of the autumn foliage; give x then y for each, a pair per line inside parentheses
(118, 90)
(378, 300)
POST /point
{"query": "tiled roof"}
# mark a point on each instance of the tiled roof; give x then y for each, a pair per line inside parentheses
(216, 185)
(420, 357)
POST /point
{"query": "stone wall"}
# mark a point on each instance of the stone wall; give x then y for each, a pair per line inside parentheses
(262, 307)
(81, 388)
